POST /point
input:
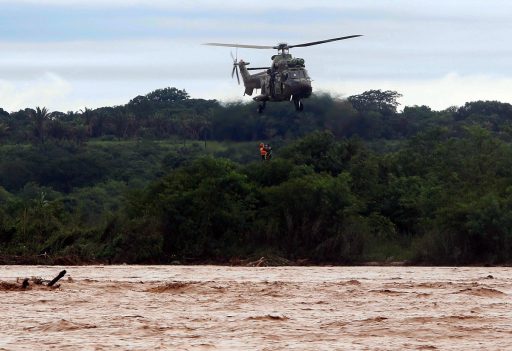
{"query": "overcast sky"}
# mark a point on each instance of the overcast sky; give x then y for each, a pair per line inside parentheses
(68, 54)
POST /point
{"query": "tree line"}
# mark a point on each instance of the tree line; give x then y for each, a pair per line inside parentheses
(171, 113)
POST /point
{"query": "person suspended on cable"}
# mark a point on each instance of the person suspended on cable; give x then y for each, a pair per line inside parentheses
(263, 152)
(268, 149)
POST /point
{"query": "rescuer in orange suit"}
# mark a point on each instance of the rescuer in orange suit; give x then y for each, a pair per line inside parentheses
(263, 152)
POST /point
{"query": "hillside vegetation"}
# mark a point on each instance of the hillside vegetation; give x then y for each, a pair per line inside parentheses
(168, 178)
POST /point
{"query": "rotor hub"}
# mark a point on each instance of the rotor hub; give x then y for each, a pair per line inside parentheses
(282, 48)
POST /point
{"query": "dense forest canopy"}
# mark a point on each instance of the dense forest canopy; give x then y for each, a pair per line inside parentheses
(169, 178)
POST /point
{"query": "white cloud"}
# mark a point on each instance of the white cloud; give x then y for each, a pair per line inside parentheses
(438, 93)
(403, 8)
(48, 90)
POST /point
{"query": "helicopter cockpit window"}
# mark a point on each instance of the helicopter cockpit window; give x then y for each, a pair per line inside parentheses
(296, 74)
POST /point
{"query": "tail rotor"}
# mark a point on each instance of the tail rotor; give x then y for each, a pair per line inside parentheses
(235, 66)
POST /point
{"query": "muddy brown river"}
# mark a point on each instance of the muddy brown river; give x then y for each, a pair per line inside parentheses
(238, 308)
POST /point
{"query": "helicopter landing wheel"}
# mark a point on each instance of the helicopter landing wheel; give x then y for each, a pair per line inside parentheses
(299, 106)
(261, 107)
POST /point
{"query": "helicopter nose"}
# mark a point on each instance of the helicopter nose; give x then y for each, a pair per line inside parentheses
(301, 88)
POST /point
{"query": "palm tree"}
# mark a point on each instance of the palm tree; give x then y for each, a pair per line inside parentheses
(89, 120)
(40, 116)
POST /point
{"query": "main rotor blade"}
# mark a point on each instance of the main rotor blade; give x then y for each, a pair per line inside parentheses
(254, 68)
(240, 46)
(323, 41)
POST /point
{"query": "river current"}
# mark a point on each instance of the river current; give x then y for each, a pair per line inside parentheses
(257, 308)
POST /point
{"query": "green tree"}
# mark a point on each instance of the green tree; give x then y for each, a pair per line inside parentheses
(306, 212)
(167, 95)
(204, 208)
(320, 150)
(40, 117)
(384, 102)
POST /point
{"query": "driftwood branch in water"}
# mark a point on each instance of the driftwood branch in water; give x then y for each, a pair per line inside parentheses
(57, 278)
(29, 283)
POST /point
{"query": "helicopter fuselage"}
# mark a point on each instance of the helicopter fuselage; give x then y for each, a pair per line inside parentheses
(287, 79)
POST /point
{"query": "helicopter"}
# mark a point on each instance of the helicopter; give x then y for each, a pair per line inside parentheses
(285, 80)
